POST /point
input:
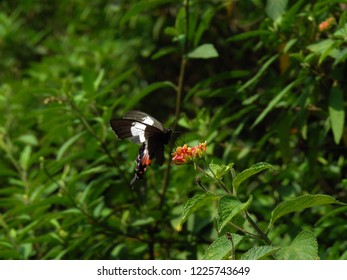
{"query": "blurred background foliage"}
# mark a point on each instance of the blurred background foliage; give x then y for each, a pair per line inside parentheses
(268, 85)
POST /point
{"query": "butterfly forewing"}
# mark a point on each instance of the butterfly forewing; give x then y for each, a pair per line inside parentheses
(136, 131)
(122, 128)
(144, 118)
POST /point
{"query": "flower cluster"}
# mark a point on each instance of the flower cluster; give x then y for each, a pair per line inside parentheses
(325, 25)
(187, 154)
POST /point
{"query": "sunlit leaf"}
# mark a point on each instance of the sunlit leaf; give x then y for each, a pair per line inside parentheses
(257, 253)
(204, 52)
(245, 174)
(221, 248)
(25, 157)
(300, 203)
(336, 113)
(194, 204)
(303, 247)
(275, 8)
(229, 207)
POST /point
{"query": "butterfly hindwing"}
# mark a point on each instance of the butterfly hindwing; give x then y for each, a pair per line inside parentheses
(156, 149)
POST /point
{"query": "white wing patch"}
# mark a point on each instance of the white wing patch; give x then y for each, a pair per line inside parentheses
(148, 120)
(138, 132)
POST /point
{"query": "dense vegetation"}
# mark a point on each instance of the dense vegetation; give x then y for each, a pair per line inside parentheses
(263, 82)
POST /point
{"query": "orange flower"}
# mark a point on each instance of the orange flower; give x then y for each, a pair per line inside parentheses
(186, 154)
(325, 25)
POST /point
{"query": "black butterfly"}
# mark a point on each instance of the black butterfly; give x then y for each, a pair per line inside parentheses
(140, 127)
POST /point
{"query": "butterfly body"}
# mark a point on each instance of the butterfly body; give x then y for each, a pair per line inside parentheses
(142, 128)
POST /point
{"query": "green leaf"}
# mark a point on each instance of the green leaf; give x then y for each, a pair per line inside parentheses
(144, 221)
(289, 45)
(341, 32)
(99, 79)
(171, 31)
(248, 35)
(143, 93)
(229, 207)
(29, 139)
(25, 157)
(303, 247)
(194, 204)
(274, 102)
(25, 249)
(331, 215)
(141, 6)
(6, 244)
(275, 8)
(245, 174)
(204, 52)
(218, 171)
(325, 48)
(67, 144)
(336, 113)
(341, 56)
(221, 248)
(162, 52)
(94, 170)
(300, 203)
(321, 47)
(260, 252)
(204, 25)
(257, 76)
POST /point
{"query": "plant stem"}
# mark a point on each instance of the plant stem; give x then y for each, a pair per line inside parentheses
(255, 226)
(244, 231)
(219, 181)
(178, 105)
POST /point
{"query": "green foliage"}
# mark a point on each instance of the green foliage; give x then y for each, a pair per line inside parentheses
(336, 113)
(303, 247)
(221, 248)
(204, 51)
(244, 175)
(194, 203)
(262, 82)
(258, 253)
(229, 207)
(300, 203)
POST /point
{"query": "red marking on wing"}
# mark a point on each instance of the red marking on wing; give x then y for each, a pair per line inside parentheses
(146, 160)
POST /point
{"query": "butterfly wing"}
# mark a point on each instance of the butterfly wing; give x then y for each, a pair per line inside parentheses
(149, 150)
(155, 147)
(136, 131)
(142, 128)
(144, 118)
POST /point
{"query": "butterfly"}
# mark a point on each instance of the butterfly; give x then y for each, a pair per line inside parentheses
(142, 128)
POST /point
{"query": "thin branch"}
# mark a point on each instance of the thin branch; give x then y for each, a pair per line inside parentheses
(219, 181)
(255, 226)
(244, 231)
(230, 237)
